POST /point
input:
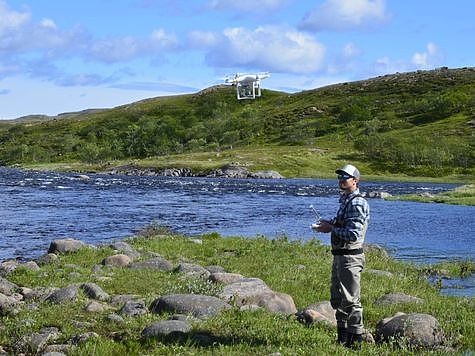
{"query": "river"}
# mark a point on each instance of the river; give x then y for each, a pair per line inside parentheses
(37, 207)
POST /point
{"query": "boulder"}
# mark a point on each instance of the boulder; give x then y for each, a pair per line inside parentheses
(200, 306)
(238, 291)
(157, 263)
(192, 270)
(119, 260)
(321, 312)
(95, 307)
(395, 298)
(254, 291)
(125, 248)
(8, 305)
(7, 287)
(225, 278)
(267, 175)
(65, 246)
(47, 259)
(134, 308)
(6, 267)
(419, 330)
(63, 295)
(93, 291)
(166, 328)
(36, 342)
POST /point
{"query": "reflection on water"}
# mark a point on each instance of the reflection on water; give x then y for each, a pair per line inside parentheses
(38, 207)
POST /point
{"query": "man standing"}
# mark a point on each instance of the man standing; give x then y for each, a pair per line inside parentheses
(348, 231)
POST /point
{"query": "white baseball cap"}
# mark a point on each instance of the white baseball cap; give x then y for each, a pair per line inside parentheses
(350, 170)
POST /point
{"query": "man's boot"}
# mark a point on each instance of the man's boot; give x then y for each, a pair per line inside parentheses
(341, 335)
(353, 341)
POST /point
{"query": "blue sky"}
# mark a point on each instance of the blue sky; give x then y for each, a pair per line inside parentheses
(61, 56)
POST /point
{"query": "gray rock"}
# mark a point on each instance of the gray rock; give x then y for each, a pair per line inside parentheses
(255, 291)
(321, 312)
(267, 175)
(39, 293)
(79, 339)
(53, 353)
(125, 248)
(7, 287)
(119, 260)
(35, 342)
(8, 305)
(157, 263)
(7, 267)
(115, 318)
(120, 299)
(63, 295)
(134, 308)
(166, 328)
(62, 349)
(419, 330)
(93, 291)
(200, 306)
(238, 291)
(65, 246)
(95, 307)
(225, 278)
(192, 270)
(395, 298)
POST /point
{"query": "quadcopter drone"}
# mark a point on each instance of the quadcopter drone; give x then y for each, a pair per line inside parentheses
(248, 86)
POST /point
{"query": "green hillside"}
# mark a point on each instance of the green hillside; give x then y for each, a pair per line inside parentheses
(417, 124)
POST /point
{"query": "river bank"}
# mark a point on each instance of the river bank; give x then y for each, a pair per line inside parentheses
(87, 320)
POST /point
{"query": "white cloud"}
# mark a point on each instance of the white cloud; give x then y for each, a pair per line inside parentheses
(427, 59)
(267, 48)
(344, 15)
(126, 48)
(48, 23)
(202, 39)
(11, 20)
(245, 5)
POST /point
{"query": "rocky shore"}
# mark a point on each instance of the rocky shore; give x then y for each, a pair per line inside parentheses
(186, 310)
(228, 171)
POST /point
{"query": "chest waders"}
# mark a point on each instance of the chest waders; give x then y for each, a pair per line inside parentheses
(345, 283)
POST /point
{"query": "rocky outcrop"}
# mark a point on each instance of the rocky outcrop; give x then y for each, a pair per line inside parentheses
(228, 171)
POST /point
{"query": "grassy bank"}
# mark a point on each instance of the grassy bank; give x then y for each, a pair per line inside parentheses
(464, 195)
(296, 268)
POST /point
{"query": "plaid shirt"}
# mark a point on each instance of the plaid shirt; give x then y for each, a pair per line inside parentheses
(351, 222)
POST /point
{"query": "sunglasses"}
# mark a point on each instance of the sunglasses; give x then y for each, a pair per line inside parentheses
(344, 176)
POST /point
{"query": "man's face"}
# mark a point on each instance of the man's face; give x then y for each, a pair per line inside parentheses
(347, 183)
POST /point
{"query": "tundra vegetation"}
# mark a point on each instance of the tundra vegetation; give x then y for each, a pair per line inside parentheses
(300, 269)
(417, 125)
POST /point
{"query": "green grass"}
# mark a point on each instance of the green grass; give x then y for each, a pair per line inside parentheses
(464, 195)
(301, 269)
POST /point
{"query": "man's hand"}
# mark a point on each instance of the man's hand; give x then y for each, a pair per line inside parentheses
(323, 226)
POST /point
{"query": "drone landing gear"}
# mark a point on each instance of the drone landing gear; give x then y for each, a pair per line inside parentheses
(248, 90)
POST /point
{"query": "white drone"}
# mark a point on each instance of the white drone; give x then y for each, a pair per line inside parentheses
(248, 86)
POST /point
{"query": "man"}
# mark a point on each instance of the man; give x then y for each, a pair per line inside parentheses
(348, 231)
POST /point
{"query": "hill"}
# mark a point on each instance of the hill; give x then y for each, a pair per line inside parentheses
(418, 123)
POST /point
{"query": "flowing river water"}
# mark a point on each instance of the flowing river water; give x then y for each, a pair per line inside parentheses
(37, 207)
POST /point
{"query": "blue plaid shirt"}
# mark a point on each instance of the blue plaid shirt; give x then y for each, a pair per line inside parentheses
(351, 222)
